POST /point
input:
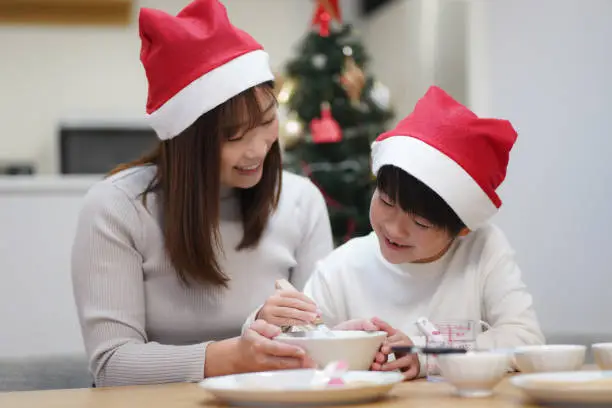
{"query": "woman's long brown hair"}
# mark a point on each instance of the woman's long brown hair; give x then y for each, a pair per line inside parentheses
(188, 182)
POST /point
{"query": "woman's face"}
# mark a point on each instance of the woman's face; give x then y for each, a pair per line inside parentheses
(243, 153)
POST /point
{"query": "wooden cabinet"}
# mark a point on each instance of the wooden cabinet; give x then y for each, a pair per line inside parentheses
(66, 12)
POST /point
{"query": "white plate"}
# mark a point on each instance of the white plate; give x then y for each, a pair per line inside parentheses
(291, 387)
(586, 387)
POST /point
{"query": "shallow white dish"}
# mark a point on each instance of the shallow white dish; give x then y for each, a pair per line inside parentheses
(582, 387)
(603, 355)
(292, 387)
(356, 348)
(549, 358)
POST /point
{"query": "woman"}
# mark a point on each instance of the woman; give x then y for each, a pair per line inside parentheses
(173, 251)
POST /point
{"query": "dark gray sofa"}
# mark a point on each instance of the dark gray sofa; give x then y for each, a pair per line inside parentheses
(44, 373)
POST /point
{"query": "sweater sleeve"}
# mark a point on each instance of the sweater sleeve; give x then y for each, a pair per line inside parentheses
(316, 241)
(108, 286)
(508, 308)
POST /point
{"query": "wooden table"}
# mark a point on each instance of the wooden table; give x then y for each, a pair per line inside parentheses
(415, 394)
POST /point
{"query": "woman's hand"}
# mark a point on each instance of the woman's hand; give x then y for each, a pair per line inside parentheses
(357, 324)
(408, 364)
(260, 353)
(288, 308)
(254, 351)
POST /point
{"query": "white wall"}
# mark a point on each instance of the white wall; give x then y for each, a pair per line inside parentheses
(48, 74)
(547, 65)
(417, 43)
(37, 222)
(450, 63)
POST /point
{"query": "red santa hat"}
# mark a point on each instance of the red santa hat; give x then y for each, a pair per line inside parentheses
(460, 156)
(194, 62)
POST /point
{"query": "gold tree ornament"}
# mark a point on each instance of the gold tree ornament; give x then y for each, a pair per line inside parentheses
(352, 79)
(292, 132)
(284, 88)
(290, 128)
(279, 81)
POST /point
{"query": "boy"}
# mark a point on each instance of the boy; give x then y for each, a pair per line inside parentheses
(432, 251)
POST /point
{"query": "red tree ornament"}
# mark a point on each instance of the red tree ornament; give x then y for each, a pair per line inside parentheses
(325, 12)
(325, 129)
(324, 20)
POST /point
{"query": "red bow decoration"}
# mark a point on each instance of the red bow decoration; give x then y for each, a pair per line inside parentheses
(326, 11)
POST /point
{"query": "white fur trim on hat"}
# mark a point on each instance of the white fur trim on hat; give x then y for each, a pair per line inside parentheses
(209, 91)
(440, 173)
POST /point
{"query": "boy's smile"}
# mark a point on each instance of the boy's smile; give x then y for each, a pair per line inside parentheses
(393, 245)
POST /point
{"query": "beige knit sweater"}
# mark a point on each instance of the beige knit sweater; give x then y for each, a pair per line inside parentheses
(139, 324)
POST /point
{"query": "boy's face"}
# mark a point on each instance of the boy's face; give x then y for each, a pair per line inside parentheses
(403, 237)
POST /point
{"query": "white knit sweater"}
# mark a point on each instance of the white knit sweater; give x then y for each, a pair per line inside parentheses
(139, 323)
(477, 279)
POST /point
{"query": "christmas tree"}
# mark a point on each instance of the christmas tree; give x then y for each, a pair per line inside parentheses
(330, 111)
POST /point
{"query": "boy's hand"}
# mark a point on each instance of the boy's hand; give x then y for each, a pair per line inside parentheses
(288, 308)
(408, 364)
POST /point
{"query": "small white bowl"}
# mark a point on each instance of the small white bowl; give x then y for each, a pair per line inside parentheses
(475, 373)
(357, 348)
(549, 358)
(602, 353)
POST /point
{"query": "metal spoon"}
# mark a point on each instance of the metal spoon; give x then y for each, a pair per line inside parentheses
(428, 350)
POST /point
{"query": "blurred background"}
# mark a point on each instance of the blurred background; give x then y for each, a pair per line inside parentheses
(72, 96)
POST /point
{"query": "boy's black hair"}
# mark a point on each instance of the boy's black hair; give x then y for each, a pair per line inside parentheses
(414, 197)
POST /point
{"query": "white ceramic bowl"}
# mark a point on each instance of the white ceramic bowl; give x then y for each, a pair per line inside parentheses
(602, 352)
(357, 348)
(549, 358)
(476, 373)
